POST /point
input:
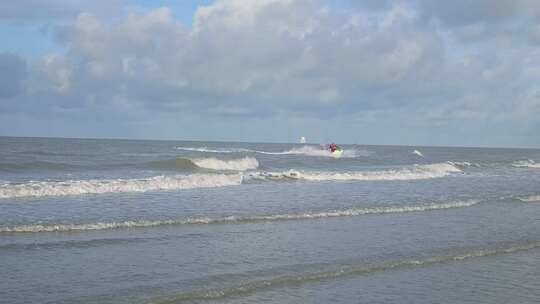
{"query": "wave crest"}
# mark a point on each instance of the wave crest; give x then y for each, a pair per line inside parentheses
(530, 198)
(412, 173)
(463, 164)
(240, 219)
(318, 151)
(526, 164)
(182, 164)
(99, 186)
(304, 150)
(242, 164)
(216, 150)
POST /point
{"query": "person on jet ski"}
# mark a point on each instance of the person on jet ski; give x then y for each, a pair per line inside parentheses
(333, 147)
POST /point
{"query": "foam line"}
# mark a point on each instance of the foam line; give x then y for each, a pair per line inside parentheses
(208, 150)
(304, 150)
(526, 164)
(99, 186)
(530, 199)
(410, 173)
(237, 219)
(242, 164)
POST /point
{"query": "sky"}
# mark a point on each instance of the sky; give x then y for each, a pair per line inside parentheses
(403, 72)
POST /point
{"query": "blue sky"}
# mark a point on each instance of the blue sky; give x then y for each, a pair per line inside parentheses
(416, 72)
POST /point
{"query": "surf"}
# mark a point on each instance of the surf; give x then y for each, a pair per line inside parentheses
(352, 212)
(416, 172)
(307, 150)
(180, 164)
(216, 150)
(418, 153)
(201, 180)
(530, 198)
(242, 164)
(526, 164)
(318, 152)
(101, 186)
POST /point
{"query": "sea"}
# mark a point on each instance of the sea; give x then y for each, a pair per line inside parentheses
(148, 221)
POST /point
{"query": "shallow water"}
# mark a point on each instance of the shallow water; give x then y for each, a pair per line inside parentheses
(125, 221)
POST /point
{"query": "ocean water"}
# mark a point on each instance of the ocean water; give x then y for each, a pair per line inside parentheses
(127, 221)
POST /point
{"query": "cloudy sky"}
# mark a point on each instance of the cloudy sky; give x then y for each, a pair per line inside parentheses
(417, 72)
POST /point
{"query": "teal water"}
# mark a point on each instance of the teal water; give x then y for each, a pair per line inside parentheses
(127, 221)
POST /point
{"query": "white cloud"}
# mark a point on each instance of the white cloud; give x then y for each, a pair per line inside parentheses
(287, 58)
(249, 54)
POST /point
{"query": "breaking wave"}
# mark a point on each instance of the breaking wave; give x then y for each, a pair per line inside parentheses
(240, 219)
(304, 150)
(526, 164)
(241, 164)
(316, 273)
(463, 164)
(99, 186)
(199, 180)
(317, 151)
(530, 199)
(416, 152)
(216, 150)
(412, 173)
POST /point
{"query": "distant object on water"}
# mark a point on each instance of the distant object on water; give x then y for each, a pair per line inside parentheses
(335, 150)
(418, 153)
(302, 140)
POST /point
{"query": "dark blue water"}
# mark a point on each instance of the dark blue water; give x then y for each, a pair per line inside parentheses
(125, 221)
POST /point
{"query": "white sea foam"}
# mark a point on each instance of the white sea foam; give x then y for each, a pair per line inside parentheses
(418, 153)
(462, 164)
(240, 219)
(530, 199)
(242, 164)
(526, 164)
(304, 150)
(410, 173)
(365, 211)
(98, 186)
(317, 151)
(216, 150)
(178, 182)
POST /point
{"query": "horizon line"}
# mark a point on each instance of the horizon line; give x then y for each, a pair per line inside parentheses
(270, 142)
